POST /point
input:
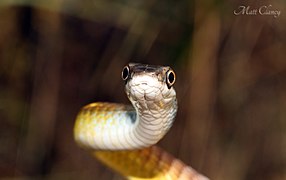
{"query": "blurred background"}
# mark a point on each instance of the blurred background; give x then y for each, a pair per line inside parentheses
(58, 55)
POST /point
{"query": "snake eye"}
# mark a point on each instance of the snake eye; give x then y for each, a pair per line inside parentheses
(125, 73)
(171, 78)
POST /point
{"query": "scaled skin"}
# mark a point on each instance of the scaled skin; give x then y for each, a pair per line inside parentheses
(123, 137)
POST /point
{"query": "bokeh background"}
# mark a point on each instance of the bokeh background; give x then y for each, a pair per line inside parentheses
(58, 55)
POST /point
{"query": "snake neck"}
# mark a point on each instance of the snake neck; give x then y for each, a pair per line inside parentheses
(153, 120)
(110, 126)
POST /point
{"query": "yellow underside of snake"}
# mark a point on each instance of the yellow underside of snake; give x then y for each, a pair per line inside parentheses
(124, 137)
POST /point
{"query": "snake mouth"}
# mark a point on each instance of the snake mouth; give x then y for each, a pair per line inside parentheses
(143, 91)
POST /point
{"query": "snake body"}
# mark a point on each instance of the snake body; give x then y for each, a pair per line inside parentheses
(123, 135)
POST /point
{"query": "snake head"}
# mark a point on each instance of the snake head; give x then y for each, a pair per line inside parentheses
(149, 85)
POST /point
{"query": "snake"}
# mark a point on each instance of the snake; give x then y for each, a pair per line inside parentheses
(124, 137)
